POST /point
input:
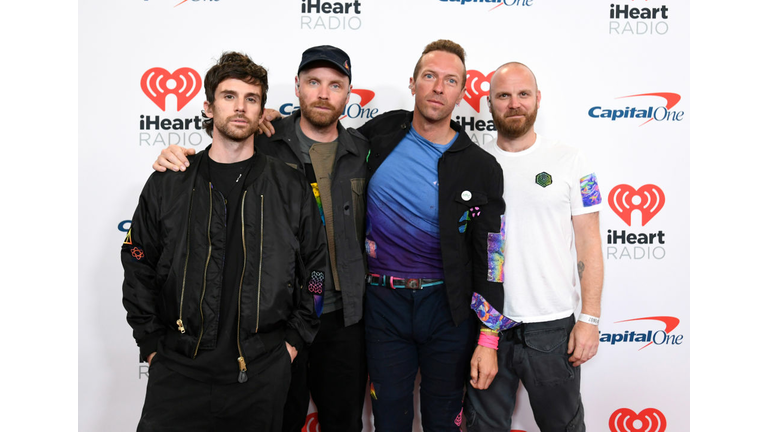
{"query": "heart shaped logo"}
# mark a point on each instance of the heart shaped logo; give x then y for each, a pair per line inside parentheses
(311, 424)
(648, 420)
(475, 92)
(650, 200)
(157, 83)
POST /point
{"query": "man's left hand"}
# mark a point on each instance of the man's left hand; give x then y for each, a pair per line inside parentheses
(265, 123)
(291, 350)
(483, 367)
(582, 343)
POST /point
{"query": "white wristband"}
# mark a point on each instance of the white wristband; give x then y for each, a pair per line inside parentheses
(589, 319)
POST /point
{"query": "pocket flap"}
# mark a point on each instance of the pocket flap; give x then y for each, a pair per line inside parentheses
(358, 186)
(545, 340)
(471, 198)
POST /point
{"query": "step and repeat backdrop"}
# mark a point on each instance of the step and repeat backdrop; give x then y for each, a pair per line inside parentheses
(614, 81)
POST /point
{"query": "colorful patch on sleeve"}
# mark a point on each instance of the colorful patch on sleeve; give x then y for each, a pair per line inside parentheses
(316, 285)
(316, 191)
(492, 318)
(128, 240)
(590, 192)
(496, 243)
(137, 253)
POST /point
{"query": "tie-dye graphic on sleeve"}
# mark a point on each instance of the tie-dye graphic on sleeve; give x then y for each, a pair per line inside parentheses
(490, 317)
(590, 192)
(316, 285)
(316, 191)
(496, 254)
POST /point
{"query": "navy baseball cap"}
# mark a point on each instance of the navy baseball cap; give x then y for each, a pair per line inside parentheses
(327, 53)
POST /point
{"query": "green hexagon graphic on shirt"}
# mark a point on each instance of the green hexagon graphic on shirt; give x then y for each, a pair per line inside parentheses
(543, 179)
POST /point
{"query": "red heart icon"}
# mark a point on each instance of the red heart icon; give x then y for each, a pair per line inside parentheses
(157, 83)
(311, 424)
(651, 201)
(626, 420)
(475, 92)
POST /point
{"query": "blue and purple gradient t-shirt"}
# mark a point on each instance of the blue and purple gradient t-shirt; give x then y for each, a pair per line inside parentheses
(402, 232)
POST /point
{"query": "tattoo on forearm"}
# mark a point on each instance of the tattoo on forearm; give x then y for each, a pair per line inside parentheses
(580, 266)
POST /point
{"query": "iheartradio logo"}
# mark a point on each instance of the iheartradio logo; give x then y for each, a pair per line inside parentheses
(475, 92)
(312, 424)
(624, 199)
(648, 420)
(184, 83)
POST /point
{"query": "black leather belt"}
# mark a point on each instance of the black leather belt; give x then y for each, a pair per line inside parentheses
(396, 282)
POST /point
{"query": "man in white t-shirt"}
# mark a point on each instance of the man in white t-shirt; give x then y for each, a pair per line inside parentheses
(552, 202)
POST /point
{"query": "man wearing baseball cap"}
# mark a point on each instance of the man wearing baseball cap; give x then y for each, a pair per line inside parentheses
(332, 158)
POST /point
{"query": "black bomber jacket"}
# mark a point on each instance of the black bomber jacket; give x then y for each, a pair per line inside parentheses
(469, 178)
(173, 259)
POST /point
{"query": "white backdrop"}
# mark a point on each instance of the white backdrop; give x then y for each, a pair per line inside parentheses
(590, 60)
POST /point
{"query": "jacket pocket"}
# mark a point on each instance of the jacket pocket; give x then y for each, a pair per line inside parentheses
(358, 206)
(469, 205)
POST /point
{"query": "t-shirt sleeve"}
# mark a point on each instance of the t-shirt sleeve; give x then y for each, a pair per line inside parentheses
(585, 192)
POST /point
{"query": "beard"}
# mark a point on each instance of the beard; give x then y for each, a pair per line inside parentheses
(321, 119)
(230, 132)
(513, 128)
(233, 133)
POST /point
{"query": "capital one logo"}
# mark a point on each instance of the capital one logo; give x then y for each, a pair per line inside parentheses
(184, 1)
(660, 113)
(624, 199)
(651, 337)
(647, 420)
(478, 85)
(356, 110)
(184, 83)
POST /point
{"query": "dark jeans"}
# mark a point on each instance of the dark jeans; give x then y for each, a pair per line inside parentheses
(175, 402)
(333, 369)
(407, 331)
(536, 354)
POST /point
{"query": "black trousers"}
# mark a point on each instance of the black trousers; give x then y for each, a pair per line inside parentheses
(537, 355)
(334, 371)
(175, 402)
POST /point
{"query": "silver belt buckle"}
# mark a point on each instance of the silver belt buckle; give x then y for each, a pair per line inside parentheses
(413, 283)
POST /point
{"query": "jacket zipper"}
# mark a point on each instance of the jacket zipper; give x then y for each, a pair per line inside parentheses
(179, 321)
(261, 257)
(205, 272)
(242, 376)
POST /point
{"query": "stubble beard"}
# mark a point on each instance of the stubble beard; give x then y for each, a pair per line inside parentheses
(235, 134)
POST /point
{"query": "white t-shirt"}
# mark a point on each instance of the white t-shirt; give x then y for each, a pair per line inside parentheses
(544, 186)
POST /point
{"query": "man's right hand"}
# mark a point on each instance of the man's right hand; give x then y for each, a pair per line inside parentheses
(173, 157)
(265, 124)
(149, 358)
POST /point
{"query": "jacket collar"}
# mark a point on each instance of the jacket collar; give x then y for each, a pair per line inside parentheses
(462, 141)
(285, 130)
(199, 162)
